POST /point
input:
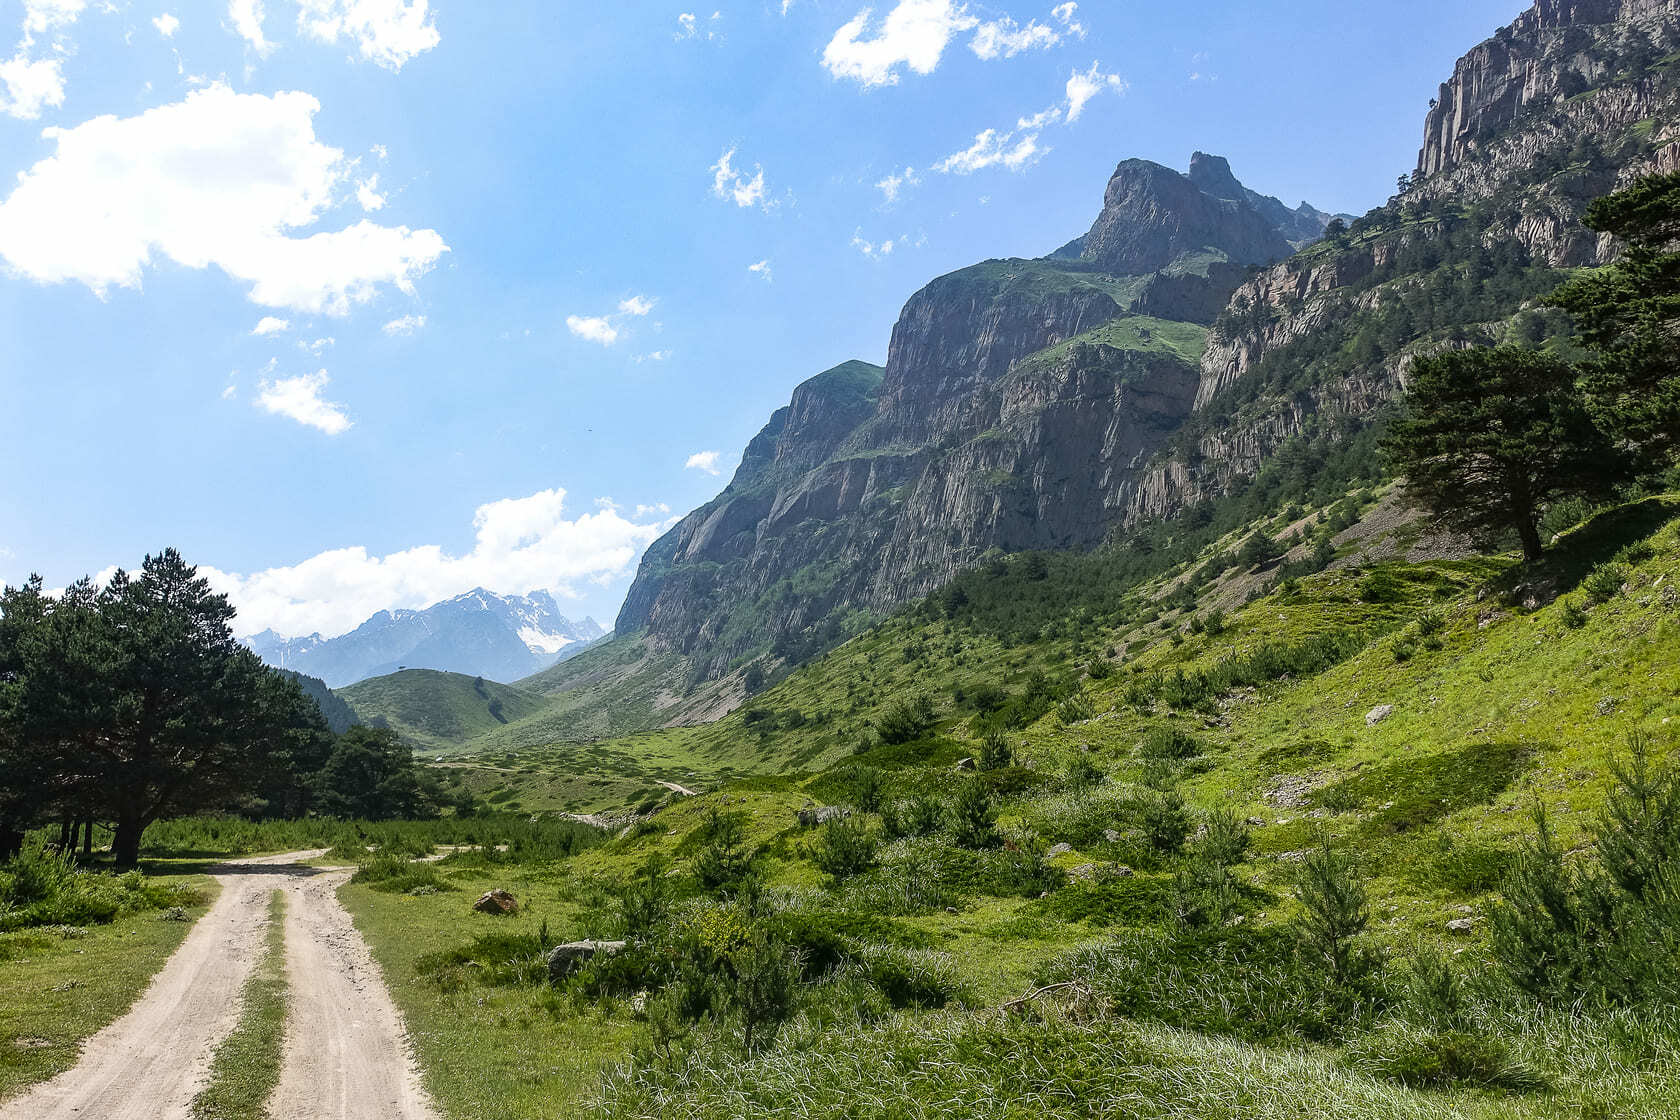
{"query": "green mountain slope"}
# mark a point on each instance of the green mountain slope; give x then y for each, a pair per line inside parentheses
(436, 711)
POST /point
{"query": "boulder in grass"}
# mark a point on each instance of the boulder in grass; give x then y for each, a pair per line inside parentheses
(497, 902)
(1378, 714)
(1463, 927)
(563, 959)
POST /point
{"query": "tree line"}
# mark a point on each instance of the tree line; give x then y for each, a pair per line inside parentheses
(1489, 438)
(131, 702)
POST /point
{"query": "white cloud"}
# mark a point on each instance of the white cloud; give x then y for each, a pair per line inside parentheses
(762, 268)
(732, 184)
(641, 511)
(367, 193)
(593, 329)
(30, 87)
(914, 34)
(387, 32)
(299, 398)
(318, 347)
(167, 25)
(521, 545)
(872, 250)
(1082, 87)
(270, 325)
(655, 356)
(1020, 147)
(217, 180)
(247, 17)
(50, 15)
(689, 26)
(993, 149)
(638, 306)
(893, 185)
(407, 325)
(704, 461)
(1004, 38)
(1067, 16)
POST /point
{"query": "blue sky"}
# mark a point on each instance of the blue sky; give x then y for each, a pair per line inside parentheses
(505, 251)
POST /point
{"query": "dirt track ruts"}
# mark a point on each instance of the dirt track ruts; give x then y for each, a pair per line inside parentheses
(346, 1057)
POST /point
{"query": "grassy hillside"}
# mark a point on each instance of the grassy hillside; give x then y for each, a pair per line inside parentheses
(1399, 701)
(436, 711)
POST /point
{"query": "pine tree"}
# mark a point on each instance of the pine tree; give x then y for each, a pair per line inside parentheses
(1629, 314)
(1489, 438)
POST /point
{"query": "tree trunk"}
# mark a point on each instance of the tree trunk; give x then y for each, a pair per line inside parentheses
(11, 842)
(87, 842)
(66, 836)
(1533, 546)
(125, 846)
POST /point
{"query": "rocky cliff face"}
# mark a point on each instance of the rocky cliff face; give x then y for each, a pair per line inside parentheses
(1019, 407)
(1571, 101)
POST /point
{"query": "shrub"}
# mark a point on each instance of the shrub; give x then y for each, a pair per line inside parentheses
(911, 977)
(1574, 616)
(725, 861)
(398, 874)
(844, 848)
(1075, 709)
(1605, 582)
(916, 816)
(971, 816)
(994, 751)
(1422, 1059)
(1169, 743)
(1165, 822)
(1380, 586)
(1335, 912)
(907, 721)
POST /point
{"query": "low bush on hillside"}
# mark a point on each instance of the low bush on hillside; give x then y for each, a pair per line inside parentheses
(1188, 689)
(397, 873)
(1426, 1059)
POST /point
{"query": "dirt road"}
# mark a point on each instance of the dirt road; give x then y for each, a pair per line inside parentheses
(346, 1056)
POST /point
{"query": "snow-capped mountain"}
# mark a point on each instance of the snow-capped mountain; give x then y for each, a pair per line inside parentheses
(498, 637)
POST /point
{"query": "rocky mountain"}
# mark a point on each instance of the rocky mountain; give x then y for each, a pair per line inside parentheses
(502, 638)
(1201, 341)
(1019, 400)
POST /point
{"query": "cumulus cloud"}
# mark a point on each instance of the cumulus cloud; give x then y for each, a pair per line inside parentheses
(1022, 146)
(762, 268)
(593, 328)
(387, 32)
(217, 180)
(268, 325)
(732, 184)
(914, 34)
(521, 545)
(407, 325)
(1004, 38)
(167, 25)
(247, 17)
(41, 16)
(1082, 87)
(299, 398)
(1068, 16)
(704, 461)
(893, 185)
(367, 194)
(1012, 150)
(28, 87)
(638, 306)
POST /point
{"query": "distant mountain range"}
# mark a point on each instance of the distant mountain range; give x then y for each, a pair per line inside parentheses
(499, 637)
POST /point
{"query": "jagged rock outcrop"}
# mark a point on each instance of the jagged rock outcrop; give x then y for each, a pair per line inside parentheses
(1154, 216)
(1302, 225)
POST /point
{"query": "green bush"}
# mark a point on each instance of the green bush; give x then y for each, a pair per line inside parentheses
(844, 848)
(971, 815)
(42, 888)
(1605, 582)
(1381, 586)
(994, 752)
(907, 721)
(398, 874)
(1169, 743)
(1424, 1059)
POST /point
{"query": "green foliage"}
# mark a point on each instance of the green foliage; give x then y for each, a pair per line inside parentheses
(42, 888)
(396, 873)
(725, 860)
(1626, 313)
(1270, 661)
(1489, 437)
(971, 816)
(1335, 912)
(370, 775)
(907, 721)
(994, 753)
(844, 848)
(1422, 1059)
(1605, 582)
(1170, 742)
